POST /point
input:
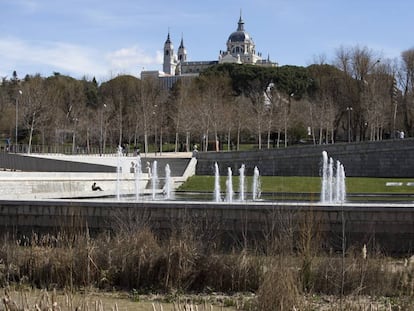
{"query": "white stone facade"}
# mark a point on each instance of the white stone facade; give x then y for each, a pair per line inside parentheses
(240, 49)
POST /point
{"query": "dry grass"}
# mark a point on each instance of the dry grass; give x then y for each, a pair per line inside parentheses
(139, 262)
(280, 288)
(36, 300)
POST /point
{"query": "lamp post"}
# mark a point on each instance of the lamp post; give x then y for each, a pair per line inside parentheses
(74, 149)
(101, 151)
(155, 115)
(17, 117)
(363, 96)
(349, 109)
(285, 112)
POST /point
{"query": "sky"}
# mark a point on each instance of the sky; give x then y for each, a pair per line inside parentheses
(106, 38)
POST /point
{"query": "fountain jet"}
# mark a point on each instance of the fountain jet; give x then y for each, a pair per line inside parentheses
(256, 191)
(229, 186)
(333, 188)
(217, 195)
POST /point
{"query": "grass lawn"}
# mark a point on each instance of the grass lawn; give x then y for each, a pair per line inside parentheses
(295, 184)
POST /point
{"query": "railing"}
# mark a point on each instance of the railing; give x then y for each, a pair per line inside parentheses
(56, 149)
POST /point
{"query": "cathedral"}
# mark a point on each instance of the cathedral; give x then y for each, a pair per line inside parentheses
(240, 49)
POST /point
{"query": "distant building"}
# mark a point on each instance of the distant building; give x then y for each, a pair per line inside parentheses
(240, 50)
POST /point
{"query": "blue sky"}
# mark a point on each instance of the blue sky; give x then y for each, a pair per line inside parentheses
(104, 38)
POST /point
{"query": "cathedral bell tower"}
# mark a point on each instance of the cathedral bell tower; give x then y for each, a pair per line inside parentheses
(182, 57)
(170, 62)
(182, 53)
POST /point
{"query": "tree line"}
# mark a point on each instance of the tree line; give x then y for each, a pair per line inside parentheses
(359, 96)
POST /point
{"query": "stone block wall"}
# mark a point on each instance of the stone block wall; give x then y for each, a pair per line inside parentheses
(387, 158)
(389, 228)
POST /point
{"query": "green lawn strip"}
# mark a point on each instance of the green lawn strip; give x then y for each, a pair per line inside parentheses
(378, 185)
(297, 184)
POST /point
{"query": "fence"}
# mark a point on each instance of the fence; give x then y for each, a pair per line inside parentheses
(56, 149)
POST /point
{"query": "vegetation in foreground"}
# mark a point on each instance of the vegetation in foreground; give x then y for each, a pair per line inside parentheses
(286, 271)
(300, 184)
(28, 299)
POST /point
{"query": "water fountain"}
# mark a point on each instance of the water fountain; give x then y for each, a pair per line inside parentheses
(341, 189)
(168, 183)
(256, 191)
(332, 196)
(154, 179)
(324, 186)
(118, 173)
(229, 186)
(217, 194)
(256, 187)
(333, 181)
(242, 186)
(137, 175)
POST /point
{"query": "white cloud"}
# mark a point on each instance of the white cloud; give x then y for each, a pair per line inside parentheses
(31, 57)
(133, 58)
(45, 57)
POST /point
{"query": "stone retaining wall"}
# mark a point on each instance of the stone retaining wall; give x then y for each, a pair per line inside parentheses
(385, 227)
(387, 158)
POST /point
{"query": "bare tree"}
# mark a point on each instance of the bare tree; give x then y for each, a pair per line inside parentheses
(270, 106)
(151, 110)
(276, 112)
(357, 63)
(240, 116)
(33, 105)
(188, 113)
(162, 117)
(406, 82)
(92, 124)
(118, 97)
(180, 105)
(68, 100)
(230, 113)
(257, 109)
(378, 103)
(213, 92)
(330, 102)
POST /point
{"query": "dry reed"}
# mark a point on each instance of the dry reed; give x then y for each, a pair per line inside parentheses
(137, 259)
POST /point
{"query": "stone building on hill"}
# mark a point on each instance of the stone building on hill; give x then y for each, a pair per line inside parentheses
(240, 49)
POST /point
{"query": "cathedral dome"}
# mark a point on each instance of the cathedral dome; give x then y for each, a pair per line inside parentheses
(240, 35)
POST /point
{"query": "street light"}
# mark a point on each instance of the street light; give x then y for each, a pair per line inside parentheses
(155, 114)
(17, 116)
(101, 136)
(349, 109)
(375, 63)
(364, 85)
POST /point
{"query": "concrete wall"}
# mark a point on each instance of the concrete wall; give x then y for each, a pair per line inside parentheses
(91, 163)
(388, 158)
(62, 176)
(389, 228)
(22, 162)
(48, 185)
